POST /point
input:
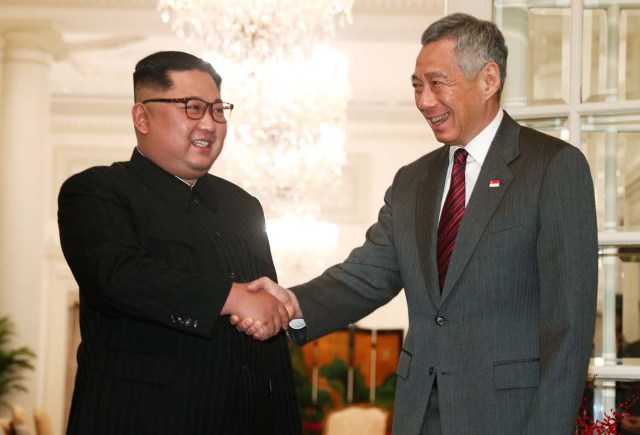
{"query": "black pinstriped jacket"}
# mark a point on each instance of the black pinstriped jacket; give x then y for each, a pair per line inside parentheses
(154, 261)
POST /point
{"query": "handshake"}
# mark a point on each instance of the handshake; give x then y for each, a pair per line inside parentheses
(261, 308)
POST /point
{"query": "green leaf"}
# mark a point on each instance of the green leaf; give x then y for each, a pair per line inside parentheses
(13, 362)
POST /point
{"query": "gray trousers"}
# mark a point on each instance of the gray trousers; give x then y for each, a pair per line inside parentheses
(431, 425)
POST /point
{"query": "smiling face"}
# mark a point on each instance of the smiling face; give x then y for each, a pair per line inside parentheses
(457, 108)
(181, 146)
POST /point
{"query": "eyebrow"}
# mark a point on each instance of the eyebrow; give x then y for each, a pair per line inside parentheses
(193, 97)
(430, 75)
(436, 75)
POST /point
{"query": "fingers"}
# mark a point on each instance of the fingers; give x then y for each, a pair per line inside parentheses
(285, 316)
(254, 329)
(259, 284)
(257, 329)
(251, 327)
(277, 319)
(291, 310)
(241, 325)
(260, 314)
(276, 290)
(280, 293)
(286, 296)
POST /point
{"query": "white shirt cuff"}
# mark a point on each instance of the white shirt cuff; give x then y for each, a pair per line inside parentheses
(297, 324)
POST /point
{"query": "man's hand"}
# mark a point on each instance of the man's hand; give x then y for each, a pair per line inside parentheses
(255, 328)
(270, 313)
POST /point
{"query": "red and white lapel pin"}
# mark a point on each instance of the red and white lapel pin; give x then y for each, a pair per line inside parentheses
(494, 183)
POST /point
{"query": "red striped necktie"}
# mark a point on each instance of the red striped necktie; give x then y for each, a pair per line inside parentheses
(451, 215)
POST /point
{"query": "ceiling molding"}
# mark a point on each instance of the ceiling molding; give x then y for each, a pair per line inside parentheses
(398, 6)
(359, 6)
(117, 4)
(105, 38)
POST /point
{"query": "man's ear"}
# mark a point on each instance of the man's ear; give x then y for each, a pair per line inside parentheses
(140, 118)
(491, 79)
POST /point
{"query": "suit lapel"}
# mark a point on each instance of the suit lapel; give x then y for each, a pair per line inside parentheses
(484, 199)
(428, 198)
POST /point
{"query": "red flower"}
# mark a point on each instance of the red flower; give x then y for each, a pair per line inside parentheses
(585, 425)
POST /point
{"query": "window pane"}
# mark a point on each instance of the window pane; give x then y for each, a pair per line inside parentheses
(556, 127)
(609, 405)
(611, 40)
(628, 294)
(539, 43)
(611, 144)
(617, 333)
(630, 47)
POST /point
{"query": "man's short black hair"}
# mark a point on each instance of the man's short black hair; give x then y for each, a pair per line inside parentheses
(153, 71)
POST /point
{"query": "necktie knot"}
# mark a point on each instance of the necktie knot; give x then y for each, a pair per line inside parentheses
(460, 156)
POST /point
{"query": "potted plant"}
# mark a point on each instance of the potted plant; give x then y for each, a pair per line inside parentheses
(13, 362)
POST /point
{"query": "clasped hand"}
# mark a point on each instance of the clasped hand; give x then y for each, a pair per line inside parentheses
(261, 308)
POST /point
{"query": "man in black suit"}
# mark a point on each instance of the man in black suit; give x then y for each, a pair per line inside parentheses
(160, 249)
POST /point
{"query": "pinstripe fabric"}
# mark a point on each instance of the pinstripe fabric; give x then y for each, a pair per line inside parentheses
(154, 261)
(451, 216)
(510, 336)
(432, 424)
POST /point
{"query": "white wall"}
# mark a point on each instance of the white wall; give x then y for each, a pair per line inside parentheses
(90, 124)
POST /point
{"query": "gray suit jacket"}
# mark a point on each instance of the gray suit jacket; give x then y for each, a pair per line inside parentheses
(510, 336)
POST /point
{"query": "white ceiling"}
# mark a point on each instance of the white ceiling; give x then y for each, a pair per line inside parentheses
(101, 40)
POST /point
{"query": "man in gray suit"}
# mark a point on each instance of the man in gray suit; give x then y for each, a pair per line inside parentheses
(501, 346)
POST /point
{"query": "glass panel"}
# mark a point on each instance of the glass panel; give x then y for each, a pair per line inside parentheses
(628, 299)
(616, 340)
(630, 47)
(609, 407)
(556, 127)
(617, 333)
(538, 41)
(611, 40)
(611, 144)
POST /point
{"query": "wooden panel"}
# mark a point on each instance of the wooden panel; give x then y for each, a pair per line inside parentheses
(348, 366)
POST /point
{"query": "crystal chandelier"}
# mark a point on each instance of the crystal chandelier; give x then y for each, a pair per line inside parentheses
(286, 146)
(260, 29)
(285, 143)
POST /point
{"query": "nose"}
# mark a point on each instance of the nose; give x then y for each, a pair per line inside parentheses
(206, 122)
(425, 99)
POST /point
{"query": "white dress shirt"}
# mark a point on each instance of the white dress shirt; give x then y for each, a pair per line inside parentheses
(477, 148)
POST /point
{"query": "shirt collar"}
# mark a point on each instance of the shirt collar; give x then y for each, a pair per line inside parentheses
(478, 147)
(171, 189)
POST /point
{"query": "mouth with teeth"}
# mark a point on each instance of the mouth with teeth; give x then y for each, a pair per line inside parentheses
(436, 120)
(201, 143)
